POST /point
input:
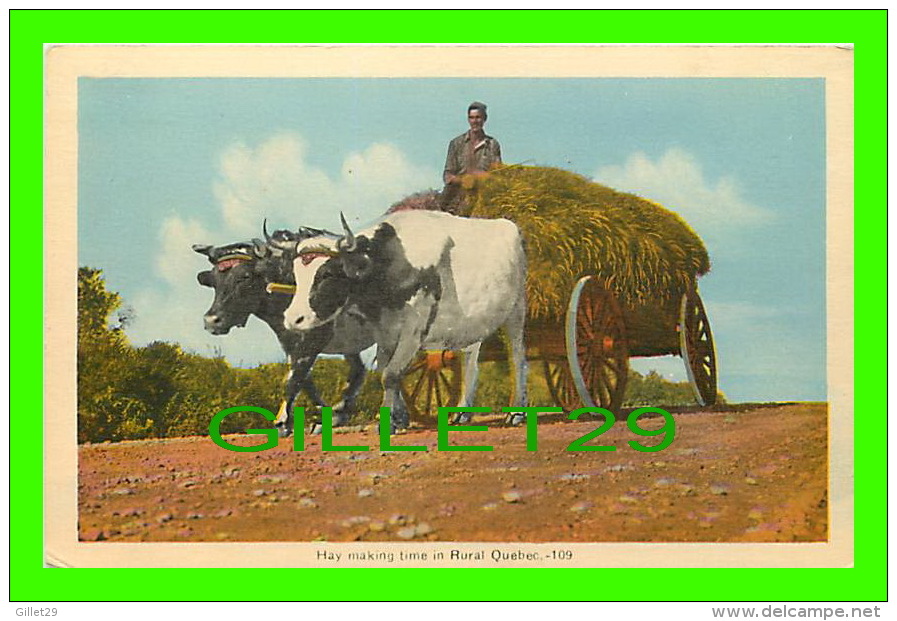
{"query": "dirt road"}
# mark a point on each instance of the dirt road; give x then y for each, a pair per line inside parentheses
(752, 473)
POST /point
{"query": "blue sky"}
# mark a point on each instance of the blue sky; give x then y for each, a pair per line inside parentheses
(166, 163)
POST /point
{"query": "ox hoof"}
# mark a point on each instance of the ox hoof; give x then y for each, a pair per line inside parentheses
(461, 419)
(316, 429)
(515, 419)
(283, 431)
(344, 407)
(397, 428)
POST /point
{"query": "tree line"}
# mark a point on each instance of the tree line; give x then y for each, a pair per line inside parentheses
(159, 390)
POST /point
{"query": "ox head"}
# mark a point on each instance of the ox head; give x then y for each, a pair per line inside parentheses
(238, 278)
(241, 273)
(326, 271)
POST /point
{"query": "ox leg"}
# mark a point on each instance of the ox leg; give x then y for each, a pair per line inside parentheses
(406, 331)
(514, 330)
(398, 411)
(298, 379)
(308, 386)
(394, 366)
(392, 399)
(343, 410)
(471, 375)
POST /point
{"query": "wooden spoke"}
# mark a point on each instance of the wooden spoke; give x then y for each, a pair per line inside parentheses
(432, 381)
(560, 383)
(597, 351)
(696, 348)
(417, 384)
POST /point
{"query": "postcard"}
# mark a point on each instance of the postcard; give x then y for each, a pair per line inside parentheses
(449, 306)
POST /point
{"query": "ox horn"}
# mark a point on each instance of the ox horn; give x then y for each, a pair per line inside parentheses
(278, 244)
(288, 245)
(349, 239)
(203, 249)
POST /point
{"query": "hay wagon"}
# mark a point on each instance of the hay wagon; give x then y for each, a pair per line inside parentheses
(587, 317)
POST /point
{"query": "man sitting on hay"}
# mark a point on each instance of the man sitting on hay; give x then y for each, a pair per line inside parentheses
(470, 153)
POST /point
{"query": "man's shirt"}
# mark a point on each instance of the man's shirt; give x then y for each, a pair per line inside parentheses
(465, 155)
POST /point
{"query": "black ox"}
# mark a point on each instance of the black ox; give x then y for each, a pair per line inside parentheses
(240, 276)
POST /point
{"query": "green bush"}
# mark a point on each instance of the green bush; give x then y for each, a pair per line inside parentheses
(653, 390)
(159, 391)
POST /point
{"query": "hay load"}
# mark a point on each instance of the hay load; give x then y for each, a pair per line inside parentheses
(574, 226)
(427, 200)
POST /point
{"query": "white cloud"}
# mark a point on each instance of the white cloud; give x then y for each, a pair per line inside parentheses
(272, 180)
(276, 180)
(737, 314)
(677, 181)
(384, 170)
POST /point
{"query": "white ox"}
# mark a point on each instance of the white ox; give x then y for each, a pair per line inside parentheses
(421, 279)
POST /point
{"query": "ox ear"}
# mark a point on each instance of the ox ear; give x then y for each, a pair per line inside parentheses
(205, 278)
(260, 248)
(203, 249)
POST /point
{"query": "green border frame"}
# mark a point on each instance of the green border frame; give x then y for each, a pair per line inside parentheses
(865, 29)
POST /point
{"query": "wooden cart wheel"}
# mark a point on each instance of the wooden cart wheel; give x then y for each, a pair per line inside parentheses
(560, 383)
(597, 351)
(433, 380)
(696, 348)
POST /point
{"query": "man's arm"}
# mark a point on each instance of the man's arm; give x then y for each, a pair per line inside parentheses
(496, 160)
(451, 170)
